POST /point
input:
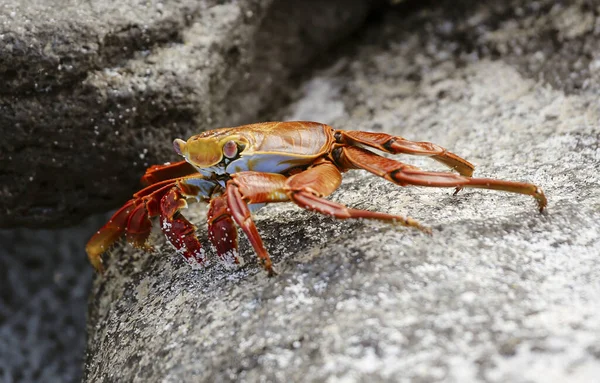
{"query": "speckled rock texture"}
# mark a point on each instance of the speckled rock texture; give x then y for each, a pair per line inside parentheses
(44, 286)
(93, 92)
(498, 293)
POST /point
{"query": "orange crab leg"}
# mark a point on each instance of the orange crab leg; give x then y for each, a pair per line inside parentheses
(402, 174)
(306, 189)
(107, 235)
(396, 145)
(157, 173)
(254, 187)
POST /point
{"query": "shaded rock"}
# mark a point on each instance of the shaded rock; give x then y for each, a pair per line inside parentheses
(497, 293)
(44, 283)
(92, 93)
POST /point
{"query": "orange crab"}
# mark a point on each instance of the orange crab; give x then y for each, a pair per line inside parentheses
(235, 169)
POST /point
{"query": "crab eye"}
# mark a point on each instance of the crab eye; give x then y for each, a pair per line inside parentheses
(230, 149)
(179, 146)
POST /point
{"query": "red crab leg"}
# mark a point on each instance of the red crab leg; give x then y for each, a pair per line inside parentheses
(157, 173)
(395, 145)
(138, 224)
(306, 189)
(222, 232)
(131, 219)
(353, 157)
(180, 232)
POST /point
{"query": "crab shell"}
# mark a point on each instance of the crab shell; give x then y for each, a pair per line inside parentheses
(270, 147)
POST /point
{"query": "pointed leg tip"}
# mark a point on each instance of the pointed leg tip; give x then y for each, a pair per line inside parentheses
(97, 264)
(145, 245)
(94, 254)
(425, 229)
(271, 273)
(268, 266)
(412, 223)
(541, 200)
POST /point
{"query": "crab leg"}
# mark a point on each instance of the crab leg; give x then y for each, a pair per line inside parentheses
(254, 187)
(107, 235)
(353, 157)
(222, 232)
(133, 219)
(396, 145)
(157, 173)
(180, 232)
(305, 189)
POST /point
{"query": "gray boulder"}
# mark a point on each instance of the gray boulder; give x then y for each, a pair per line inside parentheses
(498, 293)
(93, 92)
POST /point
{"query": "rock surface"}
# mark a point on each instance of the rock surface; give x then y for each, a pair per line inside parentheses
(93, 92)
(45, 281)
(498, 293)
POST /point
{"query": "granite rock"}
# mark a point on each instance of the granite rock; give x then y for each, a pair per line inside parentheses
(94, 92)
(498, 293)
(45, 281)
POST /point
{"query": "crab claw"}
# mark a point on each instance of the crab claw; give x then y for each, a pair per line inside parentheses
(138, 227)
(158, 173)
(180, 232)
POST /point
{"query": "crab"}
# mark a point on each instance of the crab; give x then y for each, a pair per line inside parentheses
(236, 170)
